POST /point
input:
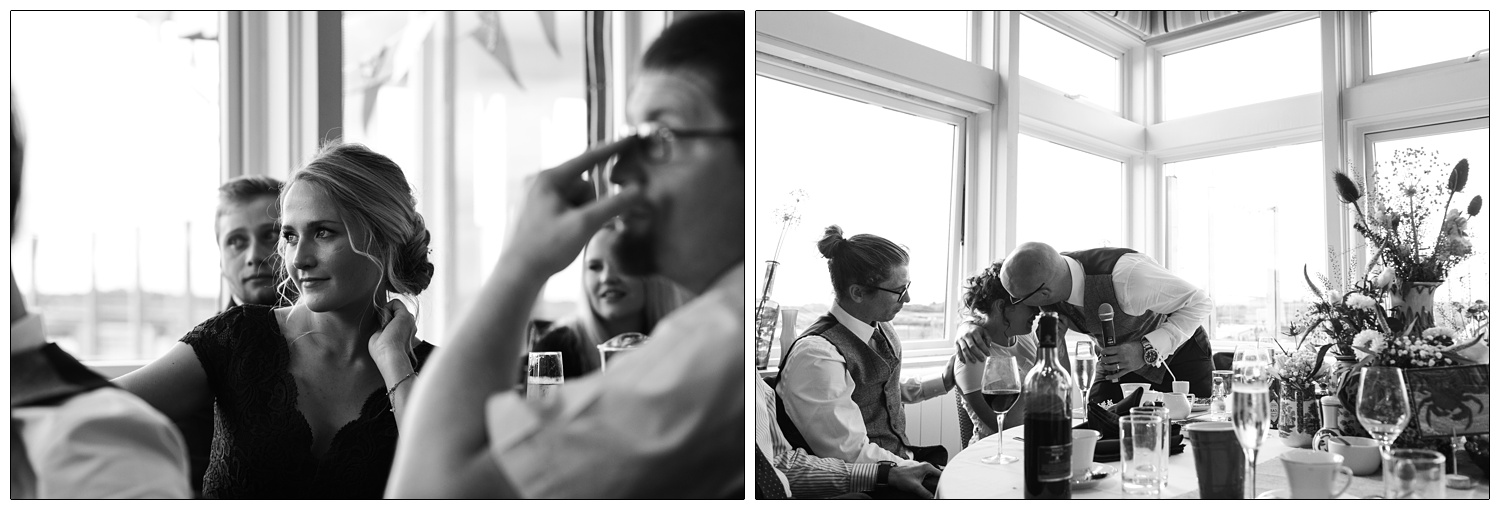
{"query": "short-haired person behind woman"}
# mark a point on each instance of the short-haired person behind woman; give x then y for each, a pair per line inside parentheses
(840, 381)
(996, 327)
(308, 396)
(614, 303)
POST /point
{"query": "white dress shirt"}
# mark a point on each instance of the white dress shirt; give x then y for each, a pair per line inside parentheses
(103, 443)
(815, 382)
(1141, 284)
(666, 420)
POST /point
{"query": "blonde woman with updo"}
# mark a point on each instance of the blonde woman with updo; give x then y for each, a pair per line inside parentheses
(307, 397)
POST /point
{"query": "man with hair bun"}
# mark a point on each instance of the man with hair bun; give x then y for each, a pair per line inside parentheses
(840, 384)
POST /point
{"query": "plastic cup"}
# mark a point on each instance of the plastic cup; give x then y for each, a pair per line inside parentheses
(1219, 460)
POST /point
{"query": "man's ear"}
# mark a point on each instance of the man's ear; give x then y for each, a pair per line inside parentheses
(857, 293)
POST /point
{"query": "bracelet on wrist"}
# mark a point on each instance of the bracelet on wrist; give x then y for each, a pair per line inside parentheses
(389, 393)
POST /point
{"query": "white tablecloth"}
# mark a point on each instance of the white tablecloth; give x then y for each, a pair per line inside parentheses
(968, 478)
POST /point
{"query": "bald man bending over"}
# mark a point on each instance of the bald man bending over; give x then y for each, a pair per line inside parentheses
(1158, 316)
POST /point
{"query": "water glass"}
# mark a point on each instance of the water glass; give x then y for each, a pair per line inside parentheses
(544, 374)
(1143, 450)
(1413, 474)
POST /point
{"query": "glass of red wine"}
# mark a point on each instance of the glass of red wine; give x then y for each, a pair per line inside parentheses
(1002, 387)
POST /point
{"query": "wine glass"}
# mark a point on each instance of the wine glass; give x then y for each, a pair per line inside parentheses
(1002, 387)
(620, 343)
(1251, 409)
(1383, 408)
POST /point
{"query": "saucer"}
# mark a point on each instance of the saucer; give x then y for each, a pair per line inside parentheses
(1107, 469)
(1286, 494)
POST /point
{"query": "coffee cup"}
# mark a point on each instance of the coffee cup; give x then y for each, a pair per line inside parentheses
(1361, 455)
(1219, 460)
(1312, 474)
(1182, 387)
(1178, 405)
(1083, 451)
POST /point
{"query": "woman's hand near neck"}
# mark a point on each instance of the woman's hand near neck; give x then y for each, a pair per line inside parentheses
(344, 333)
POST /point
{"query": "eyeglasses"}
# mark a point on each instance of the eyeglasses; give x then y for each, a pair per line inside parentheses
(900, 294)
(657, 140)
(1039, 288)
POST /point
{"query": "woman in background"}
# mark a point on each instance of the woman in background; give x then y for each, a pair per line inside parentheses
(613, 304)
(308, 396)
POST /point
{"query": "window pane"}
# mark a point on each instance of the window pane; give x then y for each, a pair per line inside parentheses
(1067, 198)
(945, 31)
(1274, 64)
(1470, 279)
(825, 146)
(120, 111)
(1241, 226)
(1067, 65)
(1403, 39)
(518, 107)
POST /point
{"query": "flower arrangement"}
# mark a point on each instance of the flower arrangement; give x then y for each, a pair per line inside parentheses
(1299, 371)
(1401, 210)
(1338, 318)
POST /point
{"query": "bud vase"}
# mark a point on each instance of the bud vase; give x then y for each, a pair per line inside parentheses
(766, 314)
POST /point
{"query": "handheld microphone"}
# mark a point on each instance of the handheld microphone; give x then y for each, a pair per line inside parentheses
(1107, 323)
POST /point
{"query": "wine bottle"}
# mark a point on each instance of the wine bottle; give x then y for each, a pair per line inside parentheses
(1047, 428)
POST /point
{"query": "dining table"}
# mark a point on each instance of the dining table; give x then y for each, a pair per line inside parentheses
(966, 477)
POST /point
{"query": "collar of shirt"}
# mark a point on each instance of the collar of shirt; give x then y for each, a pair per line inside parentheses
(1075, 298)
(864, 332)
(27, 333)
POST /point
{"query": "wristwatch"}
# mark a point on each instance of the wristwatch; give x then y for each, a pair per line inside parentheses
(883, 472)
(1149, 352)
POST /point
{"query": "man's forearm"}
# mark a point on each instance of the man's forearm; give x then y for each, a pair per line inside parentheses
(446, 435)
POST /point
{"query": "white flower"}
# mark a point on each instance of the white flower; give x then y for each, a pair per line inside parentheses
(1386, 277)
(1377, 344)
(1367, 338)
(1437, 332)
(1360, 301)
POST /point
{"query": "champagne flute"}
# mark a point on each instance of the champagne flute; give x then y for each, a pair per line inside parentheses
(1002, 387)
(1251, 407)
(1383, 407)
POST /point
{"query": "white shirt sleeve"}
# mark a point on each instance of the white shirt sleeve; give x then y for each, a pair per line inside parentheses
(915, 390)
(669, 411)
(1145, 285)
(104, 444)
(815, 382)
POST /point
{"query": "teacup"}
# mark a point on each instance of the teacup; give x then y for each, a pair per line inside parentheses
(1083, 451)
(1178, 405)
(1181, 387)
(1361, 455)
(1312, 474)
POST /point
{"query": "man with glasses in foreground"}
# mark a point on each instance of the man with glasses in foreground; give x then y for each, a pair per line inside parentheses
(840, 389)
(1158, 316)
(665, 421)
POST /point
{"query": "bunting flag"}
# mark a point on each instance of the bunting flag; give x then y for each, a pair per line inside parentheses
(491, 36)
(549, 29)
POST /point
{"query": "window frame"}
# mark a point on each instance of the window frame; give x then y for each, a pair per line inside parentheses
(801, 49)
